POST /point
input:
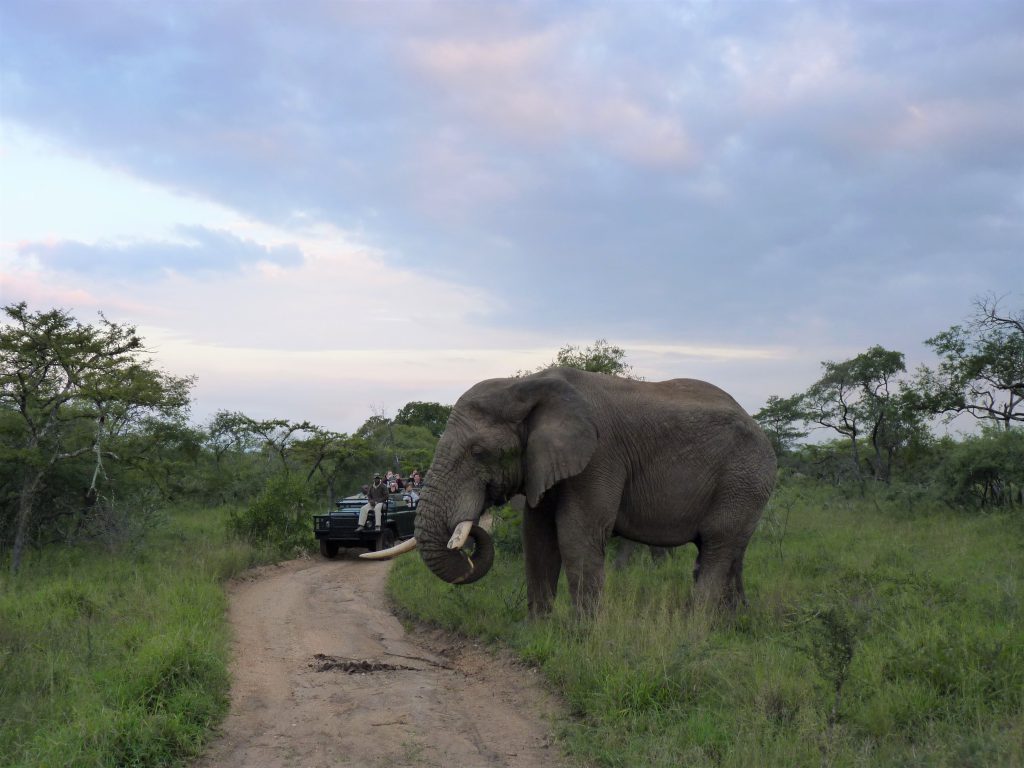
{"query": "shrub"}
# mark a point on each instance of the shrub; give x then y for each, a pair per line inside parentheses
(508, 530)
(279, 517)
(986, 470)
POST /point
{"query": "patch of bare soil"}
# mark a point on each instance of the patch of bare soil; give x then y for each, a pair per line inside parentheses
(325, 675)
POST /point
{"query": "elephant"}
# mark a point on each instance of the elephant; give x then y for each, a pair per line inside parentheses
(660, 463)
(629, 550)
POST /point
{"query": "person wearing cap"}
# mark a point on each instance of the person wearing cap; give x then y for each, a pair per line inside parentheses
(375, 498)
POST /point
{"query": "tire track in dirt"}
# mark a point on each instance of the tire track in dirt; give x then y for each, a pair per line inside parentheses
(325, 675)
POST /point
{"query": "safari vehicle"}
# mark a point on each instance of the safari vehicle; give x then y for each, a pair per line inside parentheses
(337, 528)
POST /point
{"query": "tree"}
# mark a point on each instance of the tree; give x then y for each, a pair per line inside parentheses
(777, 419)
(336, 458)
(278, 436)
(74, 388)
(236, 472)
(982, 367)
(166, 454)
(405, 445)
(861, 397)
(898, 422)
(433, 416)
(599, 357)
(379, 431)
(414, 446)
(230, 430)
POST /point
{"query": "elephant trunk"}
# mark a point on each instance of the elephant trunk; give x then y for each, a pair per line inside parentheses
(465, 565)
(455, 558)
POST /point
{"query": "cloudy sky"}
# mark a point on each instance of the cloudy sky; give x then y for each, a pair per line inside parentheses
(326, 208)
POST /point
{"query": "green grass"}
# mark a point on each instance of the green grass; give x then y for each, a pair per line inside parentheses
(880, 633)
(118, 658)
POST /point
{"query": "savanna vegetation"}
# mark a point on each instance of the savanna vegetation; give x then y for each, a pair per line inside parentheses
(119, 521)
(879, 633)
(885, 622)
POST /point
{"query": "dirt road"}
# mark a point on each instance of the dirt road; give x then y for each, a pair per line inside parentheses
(324, 675)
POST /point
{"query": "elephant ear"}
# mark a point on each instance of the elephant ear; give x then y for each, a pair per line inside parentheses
(561, 434)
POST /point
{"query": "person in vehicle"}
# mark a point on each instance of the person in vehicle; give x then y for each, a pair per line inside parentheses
(375, 500)
(411, 496)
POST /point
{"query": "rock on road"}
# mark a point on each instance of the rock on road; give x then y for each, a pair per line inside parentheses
(324, 675)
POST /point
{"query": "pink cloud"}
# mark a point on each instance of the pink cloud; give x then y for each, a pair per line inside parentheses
(520, 86)
(43, 292)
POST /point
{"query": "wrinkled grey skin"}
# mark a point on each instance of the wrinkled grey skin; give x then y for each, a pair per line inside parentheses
(660, 463)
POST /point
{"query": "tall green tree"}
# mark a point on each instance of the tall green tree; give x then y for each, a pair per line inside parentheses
(981, 368)
(405, 446)
(279, 436)
(414, 446)
(379, 432)
(863, 398)
(238, 470)
(230, 431)
(74, 388)
(779, 418)
(433, 416)
(339, 460)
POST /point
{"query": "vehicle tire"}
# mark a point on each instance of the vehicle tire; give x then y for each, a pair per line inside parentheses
(328, 548)
(385, 539)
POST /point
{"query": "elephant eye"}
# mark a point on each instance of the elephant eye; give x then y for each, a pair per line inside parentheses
(477, 451)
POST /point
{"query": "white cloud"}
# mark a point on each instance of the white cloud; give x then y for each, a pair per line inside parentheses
(811, 58)
(924, 125)
(51, 192)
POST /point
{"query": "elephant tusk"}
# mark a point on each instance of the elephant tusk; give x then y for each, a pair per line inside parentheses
(386, 554)
(461, 535)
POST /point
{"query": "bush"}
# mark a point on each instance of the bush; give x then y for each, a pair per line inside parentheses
(278, 519)
(985, 470)
(508, 530)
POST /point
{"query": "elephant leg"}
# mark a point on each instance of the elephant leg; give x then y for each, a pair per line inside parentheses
(583, 549)
(628, 550)
(543, 558)
(719, 576)
(625, 554)
(659, 554)
(737, 594)
(721, 544)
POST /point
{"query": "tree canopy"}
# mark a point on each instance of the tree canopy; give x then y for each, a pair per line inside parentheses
(71, 390)
(981, 369)
(599, 357)
(778, 419)
(432, 416)
(92, 433)
(865, 397)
